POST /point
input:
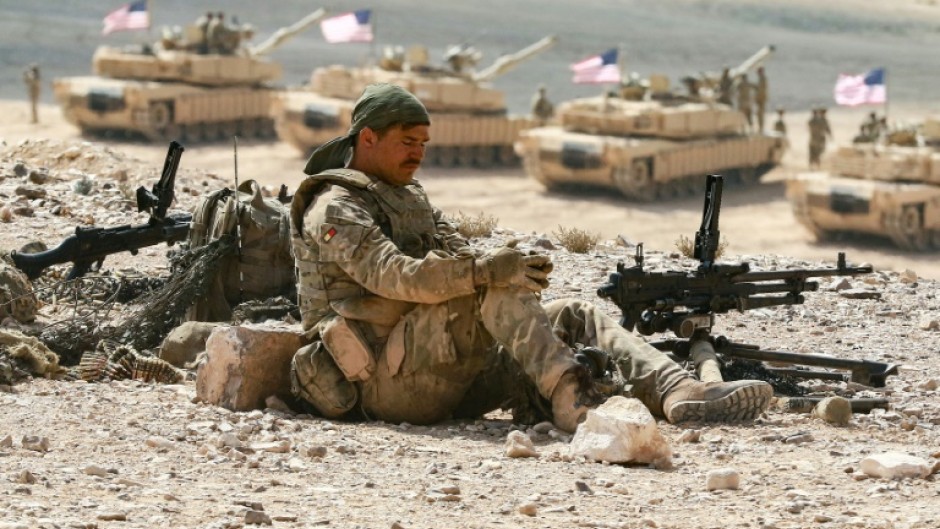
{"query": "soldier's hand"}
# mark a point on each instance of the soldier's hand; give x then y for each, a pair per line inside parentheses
(508, 267)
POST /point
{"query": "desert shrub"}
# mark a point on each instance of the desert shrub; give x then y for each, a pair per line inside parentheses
(686, 246)
(576, 240)
(475, 226)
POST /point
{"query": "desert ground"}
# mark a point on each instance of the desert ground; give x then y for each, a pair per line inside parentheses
(131, 454)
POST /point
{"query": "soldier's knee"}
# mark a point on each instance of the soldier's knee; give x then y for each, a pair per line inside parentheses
(317, 379)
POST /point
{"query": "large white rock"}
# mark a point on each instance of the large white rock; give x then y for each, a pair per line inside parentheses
(895, 465)
(622, 430)
(247, 364)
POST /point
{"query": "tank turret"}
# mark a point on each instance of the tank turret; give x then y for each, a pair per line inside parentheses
(650, 143)
(470, 122)
(202, 82)
(887, 188)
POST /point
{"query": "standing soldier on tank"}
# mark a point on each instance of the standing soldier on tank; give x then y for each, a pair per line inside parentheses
(33, 84)
(542, 108)
(202, 24)
(214, 32)
(780, 126)
(725, 85)
(819, 131)
(760, 97)
(744, 100)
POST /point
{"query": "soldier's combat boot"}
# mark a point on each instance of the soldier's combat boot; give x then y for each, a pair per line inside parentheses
(572, 397)
(738, 400)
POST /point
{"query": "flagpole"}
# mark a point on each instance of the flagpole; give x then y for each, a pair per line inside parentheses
(373, 59)
(885, 74)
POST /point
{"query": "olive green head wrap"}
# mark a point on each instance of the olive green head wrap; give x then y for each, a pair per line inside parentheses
(379, 106)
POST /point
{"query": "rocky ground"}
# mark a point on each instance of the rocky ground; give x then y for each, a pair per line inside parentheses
(129, 454)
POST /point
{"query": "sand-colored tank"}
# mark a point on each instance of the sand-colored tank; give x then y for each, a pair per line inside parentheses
(470, 124)
(648, 142)
(888, 189)
(183, 87)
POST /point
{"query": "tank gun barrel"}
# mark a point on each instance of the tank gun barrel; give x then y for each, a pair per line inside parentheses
(752, 62)
(509, 61)
(282, 34)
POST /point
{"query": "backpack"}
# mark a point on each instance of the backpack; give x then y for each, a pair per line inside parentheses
(261, 268)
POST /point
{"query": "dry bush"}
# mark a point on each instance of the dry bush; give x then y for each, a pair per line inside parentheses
(686, 246)
(475, 226)
(576, 240)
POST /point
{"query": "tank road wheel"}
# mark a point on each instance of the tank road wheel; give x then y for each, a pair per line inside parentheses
(748, 175)
(506, 156)
(189, 132)
(483, 156)
(212, 131)
(248, 128)
(912, 226)
(266, 128)
(171, 132)
(446, 156)
(465, 154)
(935, 239)
(635, 181)
(228, 130)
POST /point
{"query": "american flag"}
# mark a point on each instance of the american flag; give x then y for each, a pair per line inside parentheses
(862, 89)
(129, 16)
(601, 68)
(348, 27)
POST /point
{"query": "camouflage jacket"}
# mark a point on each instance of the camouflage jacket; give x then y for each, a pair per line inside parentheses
(369, 251)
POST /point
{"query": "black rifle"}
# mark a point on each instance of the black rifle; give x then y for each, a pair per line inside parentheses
(89, 246)
(686, 302)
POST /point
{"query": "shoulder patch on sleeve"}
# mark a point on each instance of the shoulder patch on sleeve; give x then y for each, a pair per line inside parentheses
(338, 242)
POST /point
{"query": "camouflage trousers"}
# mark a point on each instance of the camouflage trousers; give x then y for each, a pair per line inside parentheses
(478, 353)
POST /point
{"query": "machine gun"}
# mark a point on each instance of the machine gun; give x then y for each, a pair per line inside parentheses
(686, 304)
(88, 248)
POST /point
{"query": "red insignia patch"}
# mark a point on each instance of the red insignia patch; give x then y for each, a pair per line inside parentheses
(329, 234)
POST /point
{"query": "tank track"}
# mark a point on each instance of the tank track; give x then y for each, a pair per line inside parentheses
(256, 128)
(480, 156)
(691, 185)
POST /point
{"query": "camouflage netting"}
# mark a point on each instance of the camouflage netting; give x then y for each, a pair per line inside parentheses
(23, 356)
(17, 299)
(145, 323)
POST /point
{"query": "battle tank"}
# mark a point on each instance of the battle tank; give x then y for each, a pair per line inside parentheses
(649, 142)
(889, 188)
(471, 125)
(181, 87)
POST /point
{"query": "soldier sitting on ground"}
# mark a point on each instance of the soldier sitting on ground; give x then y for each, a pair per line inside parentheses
(410, 323)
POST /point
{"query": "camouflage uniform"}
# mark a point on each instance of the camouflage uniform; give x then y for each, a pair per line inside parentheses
(542, 108)
(780, 126)
(819, 131)
(760, 97)
(725, 84)
(386, 288)
(33, 85)
(744, 99)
